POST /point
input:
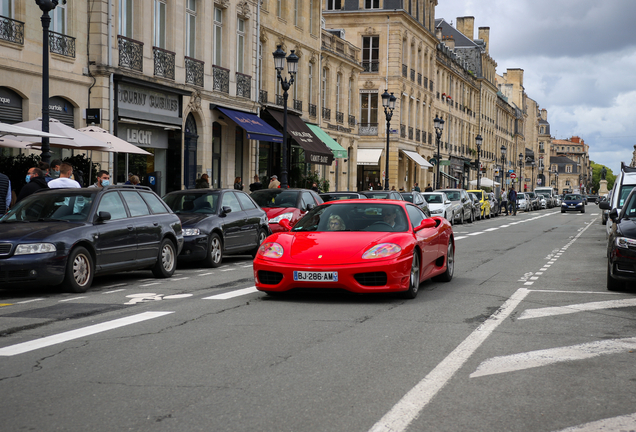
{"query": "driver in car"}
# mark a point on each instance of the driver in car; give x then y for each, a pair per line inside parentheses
(388, 215)
(336, 223)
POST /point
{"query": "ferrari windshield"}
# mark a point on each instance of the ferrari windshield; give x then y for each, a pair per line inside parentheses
(51, 207)
(354, 217)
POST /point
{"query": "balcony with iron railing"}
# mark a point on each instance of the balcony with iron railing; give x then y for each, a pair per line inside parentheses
(194, 71)
(339, 46)
(11, 30)
(352, 120)
(61, 44)
(262, 96)
(410, 132)
(326, 113)
(312, 110)
(298, 105)
(419, 78)
(417, 135)
(221, 79)
(280, 100)
(371, 66)
(164, 62)
(131, 53)
(368, 129)
(339, 117)
(402, 131)
(412, 74)
(243, 85)
(405, 70)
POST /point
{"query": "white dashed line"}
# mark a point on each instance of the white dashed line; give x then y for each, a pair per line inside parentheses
(114, 291)
(232, 294)
(460, 237)
(71, 299)
(205, 274)
(477, 233)
(30, 301)
(178, 279)
(150, 284)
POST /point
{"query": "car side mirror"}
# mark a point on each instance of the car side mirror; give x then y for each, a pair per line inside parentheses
(604, 205)
(447, 202)
(285, 224)
(613, 215)
(226, 210)
(310, 206)
(103, 216)
(426, 223)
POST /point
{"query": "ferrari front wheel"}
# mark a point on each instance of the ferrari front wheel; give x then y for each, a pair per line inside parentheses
(450, 264)
(414, 280)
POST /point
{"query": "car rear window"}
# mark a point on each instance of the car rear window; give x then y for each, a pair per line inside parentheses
(136, 204)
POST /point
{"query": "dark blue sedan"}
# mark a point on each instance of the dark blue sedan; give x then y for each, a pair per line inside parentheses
(573, 202)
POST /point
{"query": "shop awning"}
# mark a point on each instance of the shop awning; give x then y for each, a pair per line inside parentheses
(255, 127)
(448, 176)
(316, 151)
(415, 157)
(337, 149)
(369, 156)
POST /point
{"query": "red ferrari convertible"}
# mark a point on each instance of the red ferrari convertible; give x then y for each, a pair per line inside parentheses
(361, 246)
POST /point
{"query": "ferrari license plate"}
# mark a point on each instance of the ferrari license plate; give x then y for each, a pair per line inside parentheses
(307, 276)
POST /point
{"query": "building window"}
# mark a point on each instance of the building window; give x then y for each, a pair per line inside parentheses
(125, 17)
(58, 19)
(6, 8)
(310, 82)
(260, 64)
(349, 101)
(279, 8)
(160, 24)
(541, 147)
(568, 169)
(369, 108)
(296, 81)
(240, 45)
(372, 4)
(311, 16)
(218, 37)
(296, 12)
(324, 88)
(338, 77)
(370, 53)
(191, 27)
(334, 4)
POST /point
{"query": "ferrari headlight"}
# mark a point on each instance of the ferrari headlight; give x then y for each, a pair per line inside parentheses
(280, 217)
(625, 243)
(34, 248)
(270, 250)
(383, 250)
(191, 232)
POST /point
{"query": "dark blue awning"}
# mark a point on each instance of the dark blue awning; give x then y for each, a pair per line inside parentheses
(256, 128)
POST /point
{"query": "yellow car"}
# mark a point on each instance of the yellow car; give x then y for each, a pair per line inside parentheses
(485, 203)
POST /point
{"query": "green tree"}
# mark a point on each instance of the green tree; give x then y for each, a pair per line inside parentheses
(596, 176)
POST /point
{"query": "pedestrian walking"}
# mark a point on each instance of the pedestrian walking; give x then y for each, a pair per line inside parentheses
(54, 169)
(202, 182)
(35, 181)
(103, 179)
(238, 185)
(512, 199)
(504, 202)
(274, 183)
(416, 188)
(257, 185)
(429, 188)
(64, 180)
(314, 187)
(5, 194)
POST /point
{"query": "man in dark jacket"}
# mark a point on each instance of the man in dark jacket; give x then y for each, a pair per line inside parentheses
(257, 185)
(35, 181)
(512, 199)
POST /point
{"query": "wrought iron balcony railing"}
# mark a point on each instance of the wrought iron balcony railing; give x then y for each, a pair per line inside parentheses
(221, 78)
(402, 131)
(243, 85)
(11, 30)
(131, 53)
(368, 129)
(312, 110)
(410, 133)
(405, 70)
(280, 100)
(298, 105)
(262, 96)
(326, 113)
(339, 117)
(352, 120)
(371, 66)
(194, 71)
(62, 44)
(164, 62)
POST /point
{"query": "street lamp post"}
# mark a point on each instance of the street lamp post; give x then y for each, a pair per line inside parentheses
(292, 68)
(388, 102)
(46, 6)
(439, 128)
(478, 140)
(503, 164)
(520, 177)
(532, 164)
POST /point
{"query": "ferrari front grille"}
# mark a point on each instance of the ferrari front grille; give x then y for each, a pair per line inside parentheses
(371, 279)
(269, 278)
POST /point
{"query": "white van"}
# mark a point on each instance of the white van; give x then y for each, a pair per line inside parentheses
(551, 192)
(625, 182)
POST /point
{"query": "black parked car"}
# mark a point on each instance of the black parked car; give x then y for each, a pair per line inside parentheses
(382, 194)
(67, 236)
(334, 196)
(217, 222)
(418, 199)
(621, 245)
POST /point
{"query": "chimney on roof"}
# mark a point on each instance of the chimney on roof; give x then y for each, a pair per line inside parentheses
(438, 33)
(466, 26)
(449, 41)
(484, 34)
(544, 114)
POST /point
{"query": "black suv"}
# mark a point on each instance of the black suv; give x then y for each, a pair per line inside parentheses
(621, 245)
(67, 236)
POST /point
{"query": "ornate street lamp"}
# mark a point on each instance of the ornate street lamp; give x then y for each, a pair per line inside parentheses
(388, 102)
(532, 164)
(292, 68)
(46, 6)
(478, 140)
(439, 128)
(503, 150)
(520, 170)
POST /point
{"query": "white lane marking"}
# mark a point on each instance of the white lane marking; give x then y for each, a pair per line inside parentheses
(75, 334)
(538, 273)
(116, 285)
(230, 269)
(504, 226)
(533, 359)
(71, 299)
(178, 279)
(582, 307)
(411, 404)
(232, 294)
(206, 274)
(528, 283)
(460, 237)
(594, 214)
(476, 233)
(145, 280)
(491, 229)
(177, 296)
(543, 269)
(30, 301)
(114, 291)
(575, 292)
(248, 266)
(151, 284)
(620, 423)
(534, 277)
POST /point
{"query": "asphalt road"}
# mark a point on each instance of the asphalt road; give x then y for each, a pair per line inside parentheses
(524, 338)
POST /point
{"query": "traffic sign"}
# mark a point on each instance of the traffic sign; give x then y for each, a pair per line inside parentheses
(513, 175)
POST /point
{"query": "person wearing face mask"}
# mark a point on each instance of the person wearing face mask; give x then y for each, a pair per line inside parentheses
(54, 170)
(34, 182)
(103, 179)
(64, 181)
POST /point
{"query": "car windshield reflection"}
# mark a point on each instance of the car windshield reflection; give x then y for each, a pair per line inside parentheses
(275, 198)
(354, 217)
(61, 207)
(193, 203)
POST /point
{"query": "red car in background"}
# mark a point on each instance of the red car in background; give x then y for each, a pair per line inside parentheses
(290, 204)
(362, 246)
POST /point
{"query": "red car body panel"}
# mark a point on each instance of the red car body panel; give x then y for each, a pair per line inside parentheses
(341, 251)
(272, 212)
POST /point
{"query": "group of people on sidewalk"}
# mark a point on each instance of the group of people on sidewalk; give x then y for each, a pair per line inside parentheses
(509, 201)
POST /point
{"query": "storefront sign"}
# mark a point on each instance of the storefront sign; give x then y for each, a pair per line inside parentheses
(148, 100)
(143, 136)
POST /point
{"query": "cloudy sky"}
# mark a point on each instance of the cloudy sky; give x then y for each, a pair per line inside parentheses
(579, 62)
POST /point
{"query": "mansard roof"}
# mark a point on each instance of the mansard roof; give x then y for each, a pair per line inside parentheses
(461, 41)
